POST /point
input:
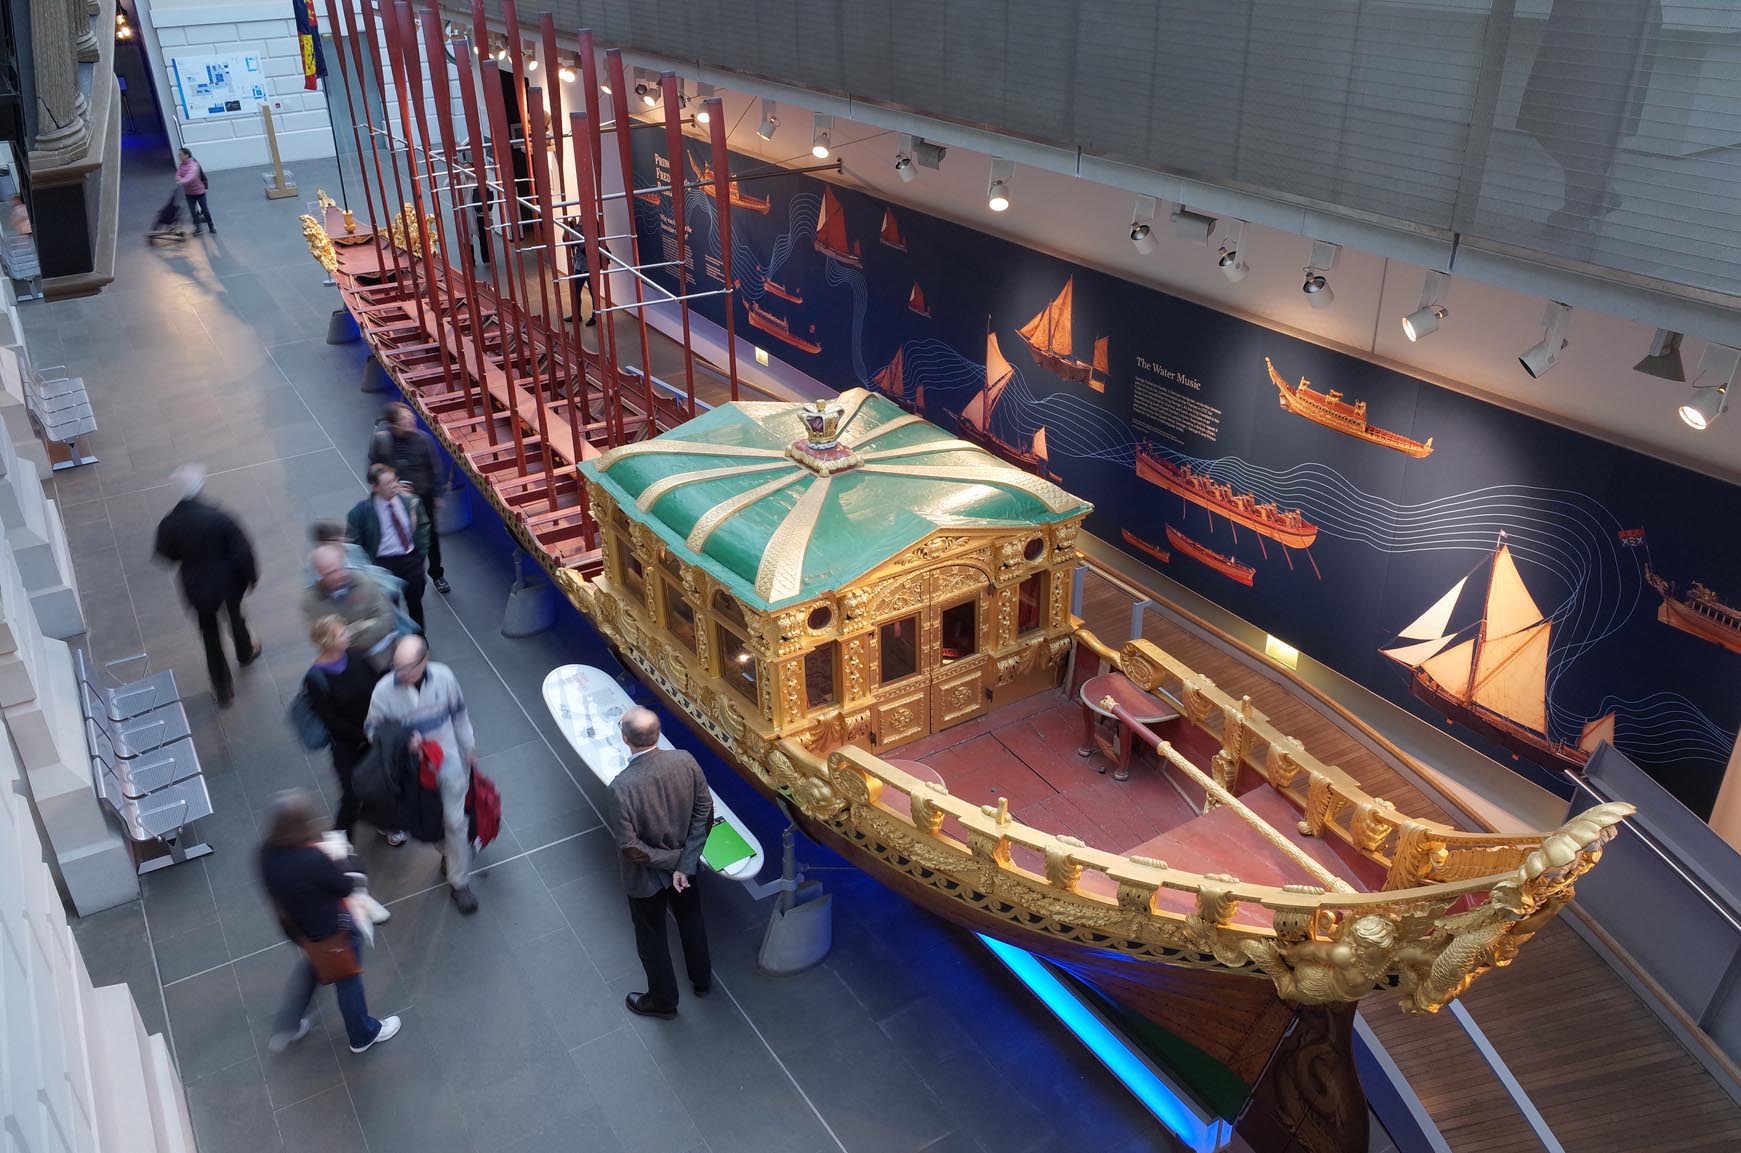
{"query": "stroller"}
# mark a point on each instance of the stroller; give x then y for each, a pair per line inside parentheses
(167, 225)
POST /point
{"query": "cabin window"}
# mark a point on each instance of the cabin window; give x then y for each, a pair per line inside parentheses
(679, 617)
(960, 627)
(737, 665)
(727, 606)
(671, 564)
(819, 680)
(634, 579)
(1030, 594)
(899, 645)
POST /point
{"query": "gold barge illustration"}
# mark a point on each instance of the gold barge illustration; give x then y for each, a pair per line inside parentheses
(1338, 415)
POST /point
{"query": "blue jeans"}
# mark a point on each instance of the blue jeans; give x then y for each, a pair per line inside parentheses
(359, 1026)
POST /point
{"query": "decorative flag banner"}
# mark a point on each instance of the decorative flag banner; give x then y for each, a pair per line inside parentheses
(308, 33)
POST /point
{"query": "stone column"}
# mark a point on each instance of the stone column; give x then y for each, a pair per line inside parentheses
(84, 31)
(63, 129)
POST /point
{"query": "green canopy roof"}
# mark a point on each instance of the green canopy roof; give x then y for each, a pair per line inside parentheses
(722, 491)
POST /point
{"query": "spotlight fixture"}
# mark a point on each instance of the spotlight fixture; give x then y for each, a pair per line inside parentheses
(820, 127)
(997, 192)
(1543, 356)
(1710, 401)
(703, 93)
(1317, 288)
(501, 53)
(1142, 219)
(1192, 227)
(770, 121)
(904, 167)
(1664, 358)
(1231, 264)
(566, 73)
(531, 63)
(1424, 320)
(928, 155)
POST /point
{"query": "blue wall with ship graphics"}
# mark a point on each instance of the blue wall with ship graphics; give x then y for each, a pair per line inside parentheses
(1369, 533)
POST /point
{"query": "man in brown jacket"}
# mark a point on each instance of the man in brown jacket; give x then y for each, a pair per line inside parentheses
(660, 813)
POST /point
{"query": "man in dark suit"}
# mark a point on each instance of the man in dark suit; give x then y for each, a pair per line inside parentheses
(410, 452)
(660, 813)
(389, 525)
(217, 570)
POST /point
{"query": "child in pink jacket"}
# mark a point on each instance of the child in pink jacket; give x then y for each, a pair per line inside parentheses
(192, 179)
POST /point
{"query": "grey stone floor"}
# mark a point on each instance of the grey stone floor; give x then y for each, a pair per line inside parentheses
(910, 1037)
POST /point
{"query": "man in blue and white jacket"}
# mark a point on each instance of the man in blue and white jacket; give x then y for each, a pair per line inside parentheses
(424, 695)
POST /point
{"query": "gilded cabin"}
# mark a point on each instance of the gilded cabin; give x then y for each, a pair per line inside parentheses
(839, 572)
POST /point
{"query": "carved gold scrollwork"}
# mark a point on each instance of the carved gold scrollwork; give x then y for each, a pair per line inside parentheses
(1370, 823)
(1062, 870)
(1320, 801)
(927, 817)
(1196, 698)
(1213, 913)
(1282, 767)
(1142, 672)
(852, 784)
(319, 244)
(1419, 851)
(991, 855)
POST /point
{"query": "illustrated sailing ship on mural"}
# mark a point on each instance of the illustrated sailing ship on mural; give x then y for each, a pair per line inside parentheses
(781, 291)
(1048, 337)
(1228, 566)
(891, 232)
(1331, 411)
(780, 328)
(1696, 610)
(975, 419)
(831, 239)
(739, 199)
(1491, 674)
(916, 301)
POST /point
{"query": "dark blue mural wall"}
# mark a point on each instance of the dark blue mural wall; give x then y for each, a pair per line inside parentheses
(1535, 588)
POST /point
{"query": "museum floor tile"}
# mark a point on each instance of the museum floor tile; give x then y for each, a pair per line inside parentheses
(909, 1037)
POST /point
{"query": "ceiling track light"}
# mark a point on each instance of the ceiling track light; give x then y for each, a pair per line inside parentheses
(1142, 220)
(1541, 357)
(1316, 286)
(1424, 320)
(1232, 265)
(1664, 359)
(703, 93)
(1192, 227)
(1709, 401)
(770, 120)
(531, 63)
(997, 190)
(821, 126)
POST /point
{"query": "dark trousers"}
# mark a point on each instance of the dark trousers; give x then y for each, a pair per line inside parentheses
(428, 503)
(216, 665)
(344, 760)
(360, 1028)
(408, 567)
(196, 208)
(651, 942)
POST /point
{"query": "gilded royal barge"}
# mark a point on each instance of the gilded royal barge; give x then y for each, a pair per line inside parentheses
(1338, 415)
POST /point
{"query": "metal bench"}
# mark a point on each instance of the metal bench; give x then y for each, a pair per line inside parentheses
(138, 776)
(140, 734)
(123, 700)
(160, 817)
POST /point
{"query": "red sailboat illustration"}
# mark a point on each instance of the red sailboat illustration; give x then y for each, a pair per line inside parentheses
(1048, 336)
(1697, 611)
(1097, 377)
(891, 233)
(1494, 679)
(831, 240)
(916, 301)
(781, 291)
(704, 174)
(779, 328)
(974, 422)
(1201, 553)
(1336, 414)
(891, 383)
(1144, 546)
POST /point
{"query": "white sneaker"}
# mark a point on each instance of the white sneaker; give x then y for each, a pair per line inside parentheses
(283, 1041)
(389, 1030)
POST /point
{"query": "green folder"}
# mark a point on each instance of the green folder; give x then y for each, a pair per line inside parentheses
(725, 846)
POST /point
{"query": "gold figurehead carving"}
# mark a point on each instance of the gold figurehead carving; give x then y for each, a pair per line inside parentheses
(319, 244)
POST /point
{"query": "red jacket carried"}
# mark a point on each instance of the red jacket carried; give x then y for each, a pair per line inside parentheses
(483, 804)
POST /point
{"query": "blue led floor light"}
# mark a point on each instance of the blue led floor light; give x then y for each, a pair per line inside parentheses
(1202, 1133)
